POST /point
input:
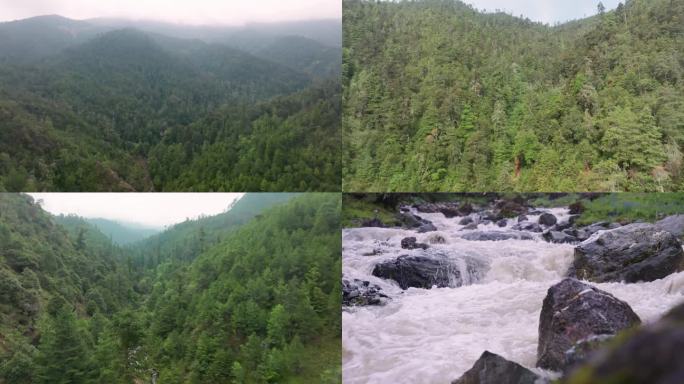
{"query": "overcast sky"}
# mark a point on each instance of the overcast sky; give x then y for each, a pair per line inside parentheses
(150, 209)
(232, 12)
(546, 11)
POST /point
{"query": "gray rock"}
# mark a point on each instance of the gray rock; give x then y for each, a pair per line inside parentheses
(673, 224)
(429, 227)
(522, 218)
(573, 311)
(502, 223)
(436, 238)
(491, 368)
(469, 227)
(411, 243)
(361, 293)
(547, 219)
(466, 220)
(584, 350)
(373, 223)
(652, 354)
(495, 236)
(427, 271)
(559, 237)
(635, 252)
(527, 226)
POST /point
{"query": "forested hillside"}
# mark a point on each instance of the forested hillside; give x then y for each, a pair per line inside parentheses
(440, 97)
(98, 108)
(259, 305)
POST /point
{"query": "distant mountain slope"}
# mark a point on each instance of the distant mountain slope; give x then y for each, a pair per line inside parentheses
(123, 233)
(440, 97)
(305, 55)
(96, 113)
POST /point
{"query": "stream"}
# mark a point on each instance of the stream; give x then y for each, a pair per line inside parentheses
(435, 335)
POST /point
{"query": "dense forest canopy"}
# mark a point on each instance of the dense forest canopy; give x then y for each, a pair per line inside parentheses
(258, 303)
(440, 97)
(87, 106)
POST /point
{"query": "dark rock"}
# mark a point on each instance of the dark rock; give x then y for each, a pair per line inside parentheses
(562, 226)
(492, 216)
(465, 209)
(495, 236)
(374, 252)
(510, 208)
(547, 219)
(470, 226)
(424, 271)
(584, 350)
(573, 219)
(428, 227)
(409, 220)
(522, 218)
(573, 311)
(361, 293)
(491, 368)
(673, 224)
(466, 220)
(373, 223)
(576, 208)
(502, 223)
(652, 354)
(635, 252)
(410, 243)
(527, 226)
(559, 237)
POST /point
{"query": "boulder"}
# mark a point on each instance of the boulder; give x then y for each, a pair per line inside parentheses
(491, 368)
(522, 218)
(635, 252)
(466, 220)
(361, 293)
(573, 311)
(584, 350)
(652, 354)
(510, 208)
(576, 208)
(673, 224)
(428, 227)
(411, 243)
(469, 227)
(409, 220)
(428, 271)
(547, 219)
(373, 223)
(559, 237)
(502, 223)
(496, 236)
(436, 238)
(527, 226)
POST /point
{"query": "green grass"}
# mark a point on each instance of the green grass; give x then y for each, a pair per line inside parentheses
(629, 207)
(355, 211)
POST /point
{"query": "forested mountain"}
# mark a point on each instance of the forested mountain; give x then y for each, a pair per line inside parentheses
(441, 97)
(95, 108)
(259, 305)
(119, 233)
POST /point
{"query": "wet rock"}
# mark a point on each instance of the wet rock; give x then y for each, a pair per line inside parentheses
(436, 238)
(559, 237)
(374, 252)
(491, 368)
(652, 354)
(573, 311)
(469, 227)
(428, 271)
(511, 208)
(522, 218)
(411, 243)
(361, 293)
(635, 252)
(409, 220)
(576, 208)
(527, 226)
(466, 220)
(502, 223)
(547, 219)
(496, 236)
(428, 227)
(373, 223)
(584, 350)
(673, 224)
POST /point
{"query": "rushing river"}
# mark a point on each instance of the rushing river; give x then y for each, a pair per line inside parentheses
(433, 336)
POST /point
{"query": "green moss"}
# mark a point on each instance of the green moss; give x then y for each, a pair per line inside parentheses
(355, 211)
(630, 207)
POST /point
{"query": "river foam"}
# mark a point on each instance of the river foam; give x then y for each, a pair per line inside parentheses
(433, 336)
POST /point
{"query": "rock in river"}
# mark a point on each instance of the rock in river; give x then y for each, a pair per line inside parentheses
(411, 243)
(496, 236)
(358, 293)
(491, 368)
(426, 271)
(547, 219)
(574, 311)
(635, 252)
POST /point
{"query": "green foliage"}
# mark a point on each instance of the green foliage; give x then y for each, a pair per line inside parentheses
(132, 111)
(440, 97)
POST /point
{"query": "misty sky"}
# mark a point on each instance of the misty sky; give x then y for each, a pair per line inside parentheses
(546, 11)
(150, 209)
(231, 12)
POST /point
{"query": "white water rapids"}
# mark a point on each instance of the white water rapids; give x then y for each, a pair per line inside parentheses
(435, 335)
